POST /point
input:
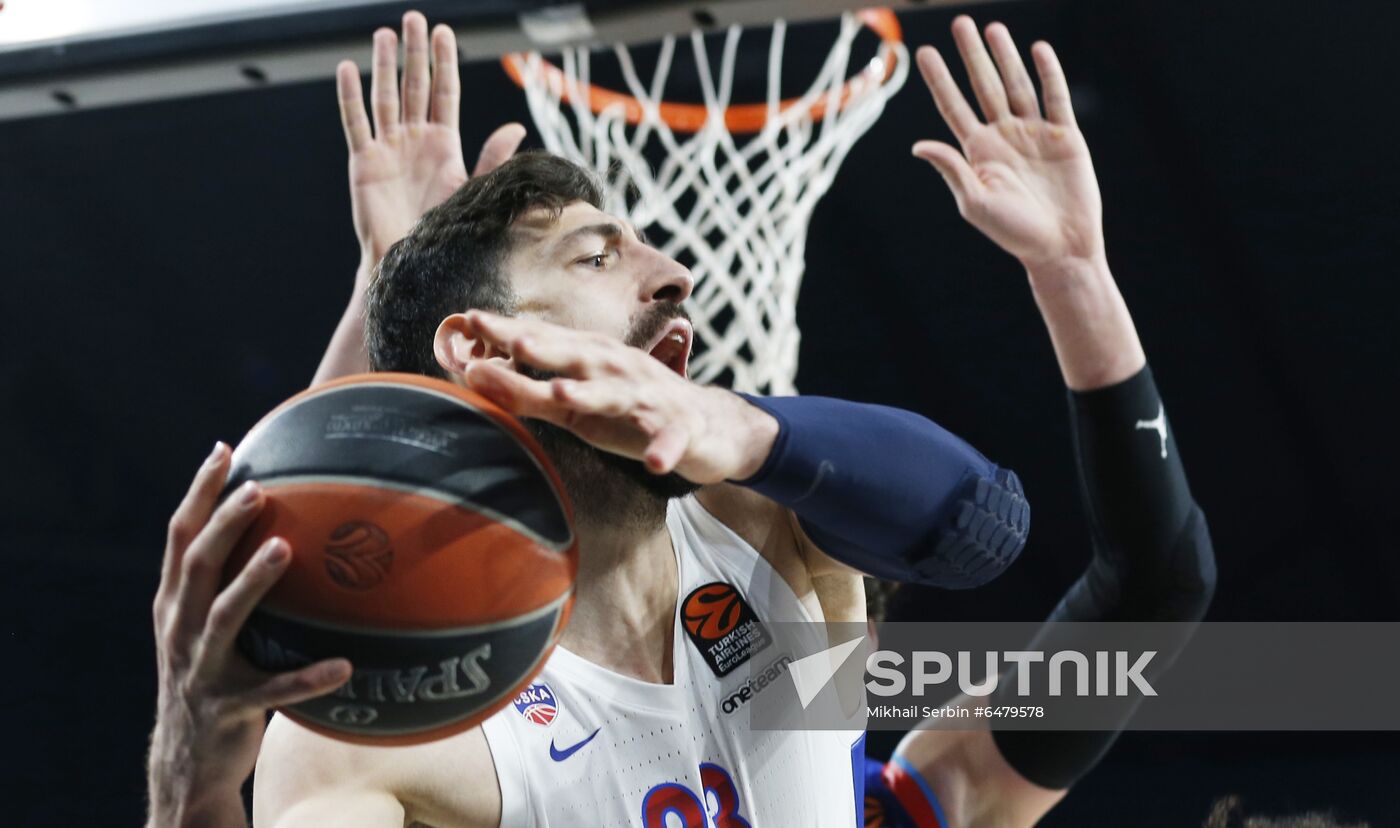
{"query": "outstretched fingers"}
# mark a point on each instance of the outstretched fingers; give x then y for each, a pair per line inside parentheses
(516, 393)
(603, 398)
(982, 73)
(383, 86)
(447, 82)
(956, 172)
(956, 112)
(352, 106)
(1020, 92)
(499, 147)
(1053, 85)
(535, 343)
(417, 87)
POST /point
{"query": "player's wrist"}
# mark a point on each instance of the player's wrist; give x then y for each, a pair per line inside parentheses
(1063, 273)
(368, 262)
(181, 795)
(374, 244)
(1095, 340)
(1078, 292)
(371, 251)
(758, 432)
(189, 783)
(224, 810)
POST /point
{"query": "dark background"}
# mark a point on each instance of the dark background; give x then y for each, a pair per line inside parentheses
(172, 271)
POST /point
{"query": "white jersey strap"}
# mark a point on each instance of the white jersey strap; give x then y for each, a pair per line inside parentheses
(716, 548)
(510, 772)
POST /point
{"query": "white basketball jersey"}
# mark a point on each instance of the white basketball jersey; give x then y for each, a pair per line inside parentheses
(585, 746)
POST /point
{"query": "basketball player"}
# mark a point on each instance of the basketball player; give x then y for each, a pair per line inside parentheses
(622, 668)
(520, 287)
(1024, 179)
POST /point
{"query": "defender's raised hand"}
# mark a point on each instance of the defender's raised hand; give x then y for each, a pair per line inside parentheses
(1022, 178)
(408, 163)
(411, 160)
(619, 398)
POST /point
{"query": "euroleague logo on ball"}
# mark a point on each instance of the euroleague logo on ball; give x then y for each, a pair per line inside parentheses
(358, 555)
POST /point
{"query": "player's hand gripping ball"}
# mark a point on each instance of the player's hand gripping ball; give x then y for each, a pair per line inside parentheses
(432, 546)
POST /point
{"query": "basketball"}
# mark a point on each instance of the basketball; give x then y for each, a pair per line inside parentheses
(432, 546)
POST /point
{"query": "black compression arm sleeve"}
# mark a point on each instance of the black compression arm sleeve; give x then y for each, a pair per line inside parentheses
(1152, 560)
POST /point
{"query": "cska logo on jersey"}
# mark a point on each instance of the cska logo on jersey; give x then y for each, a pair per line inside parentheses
(537, 704)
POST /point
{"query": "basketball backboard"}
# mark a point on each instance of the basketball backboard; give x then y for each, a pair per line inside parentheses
(64, 55)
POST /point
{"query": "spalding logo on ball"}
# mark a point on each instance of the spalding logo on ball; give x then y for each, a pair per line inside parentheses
(432, 545)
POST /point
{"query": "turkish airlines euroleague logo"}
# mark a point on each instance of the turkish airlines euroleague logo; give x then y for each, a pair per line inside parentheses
(712, 611)
(722, 626)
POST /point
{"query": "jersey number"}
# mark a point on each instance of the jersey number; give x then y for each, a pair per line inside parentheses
(671, 799)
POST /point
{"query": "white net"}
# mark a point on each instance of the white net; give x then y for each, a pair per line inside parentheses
(735, 209)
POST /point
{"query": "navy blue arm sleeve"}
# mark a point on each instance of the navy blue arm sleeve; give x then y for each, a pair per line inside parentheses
(892, 493)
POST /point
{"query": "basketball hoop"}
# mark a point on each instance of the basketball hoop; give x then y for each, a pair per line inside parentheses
(735, 212)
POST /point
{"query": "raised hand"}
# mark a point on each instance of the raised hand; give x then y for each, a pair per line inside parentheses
(412, 159)
(1024, 179)
(409, 163)
(211, 703)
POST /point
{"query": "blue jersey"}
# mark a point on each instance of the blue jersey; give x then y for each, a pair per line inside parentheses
(896, 796)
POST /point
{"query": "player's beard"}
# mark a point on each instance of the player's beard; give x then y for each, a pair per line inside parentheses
(608, 489)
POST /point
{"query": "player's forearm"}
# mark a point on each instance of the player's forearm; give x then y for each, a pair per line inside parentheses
(224, 812)
(1153, 561)
(891, 493)
(178, 798)
(346, 354)
(1093, 334)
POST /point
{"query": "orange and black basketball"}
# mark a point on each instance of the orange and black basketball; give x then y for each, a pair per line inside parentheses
(432, 546)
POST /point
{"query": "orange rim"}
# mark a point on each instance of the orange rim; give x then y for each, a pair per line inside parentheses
(738, 118)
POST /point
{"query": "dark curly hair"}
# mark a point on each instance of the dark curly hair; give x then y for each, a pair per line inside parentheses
(451, 260)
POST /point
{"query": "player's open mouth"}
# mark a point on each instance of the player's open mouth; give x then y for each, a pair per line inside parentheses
(672, 346)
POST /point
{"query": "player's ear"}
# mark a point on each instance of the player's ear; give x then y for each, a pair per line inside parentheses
(455, 349)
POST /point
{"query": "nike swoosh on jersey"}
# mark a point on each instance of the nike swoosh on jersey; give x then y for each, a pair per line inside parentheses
(560, 755)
